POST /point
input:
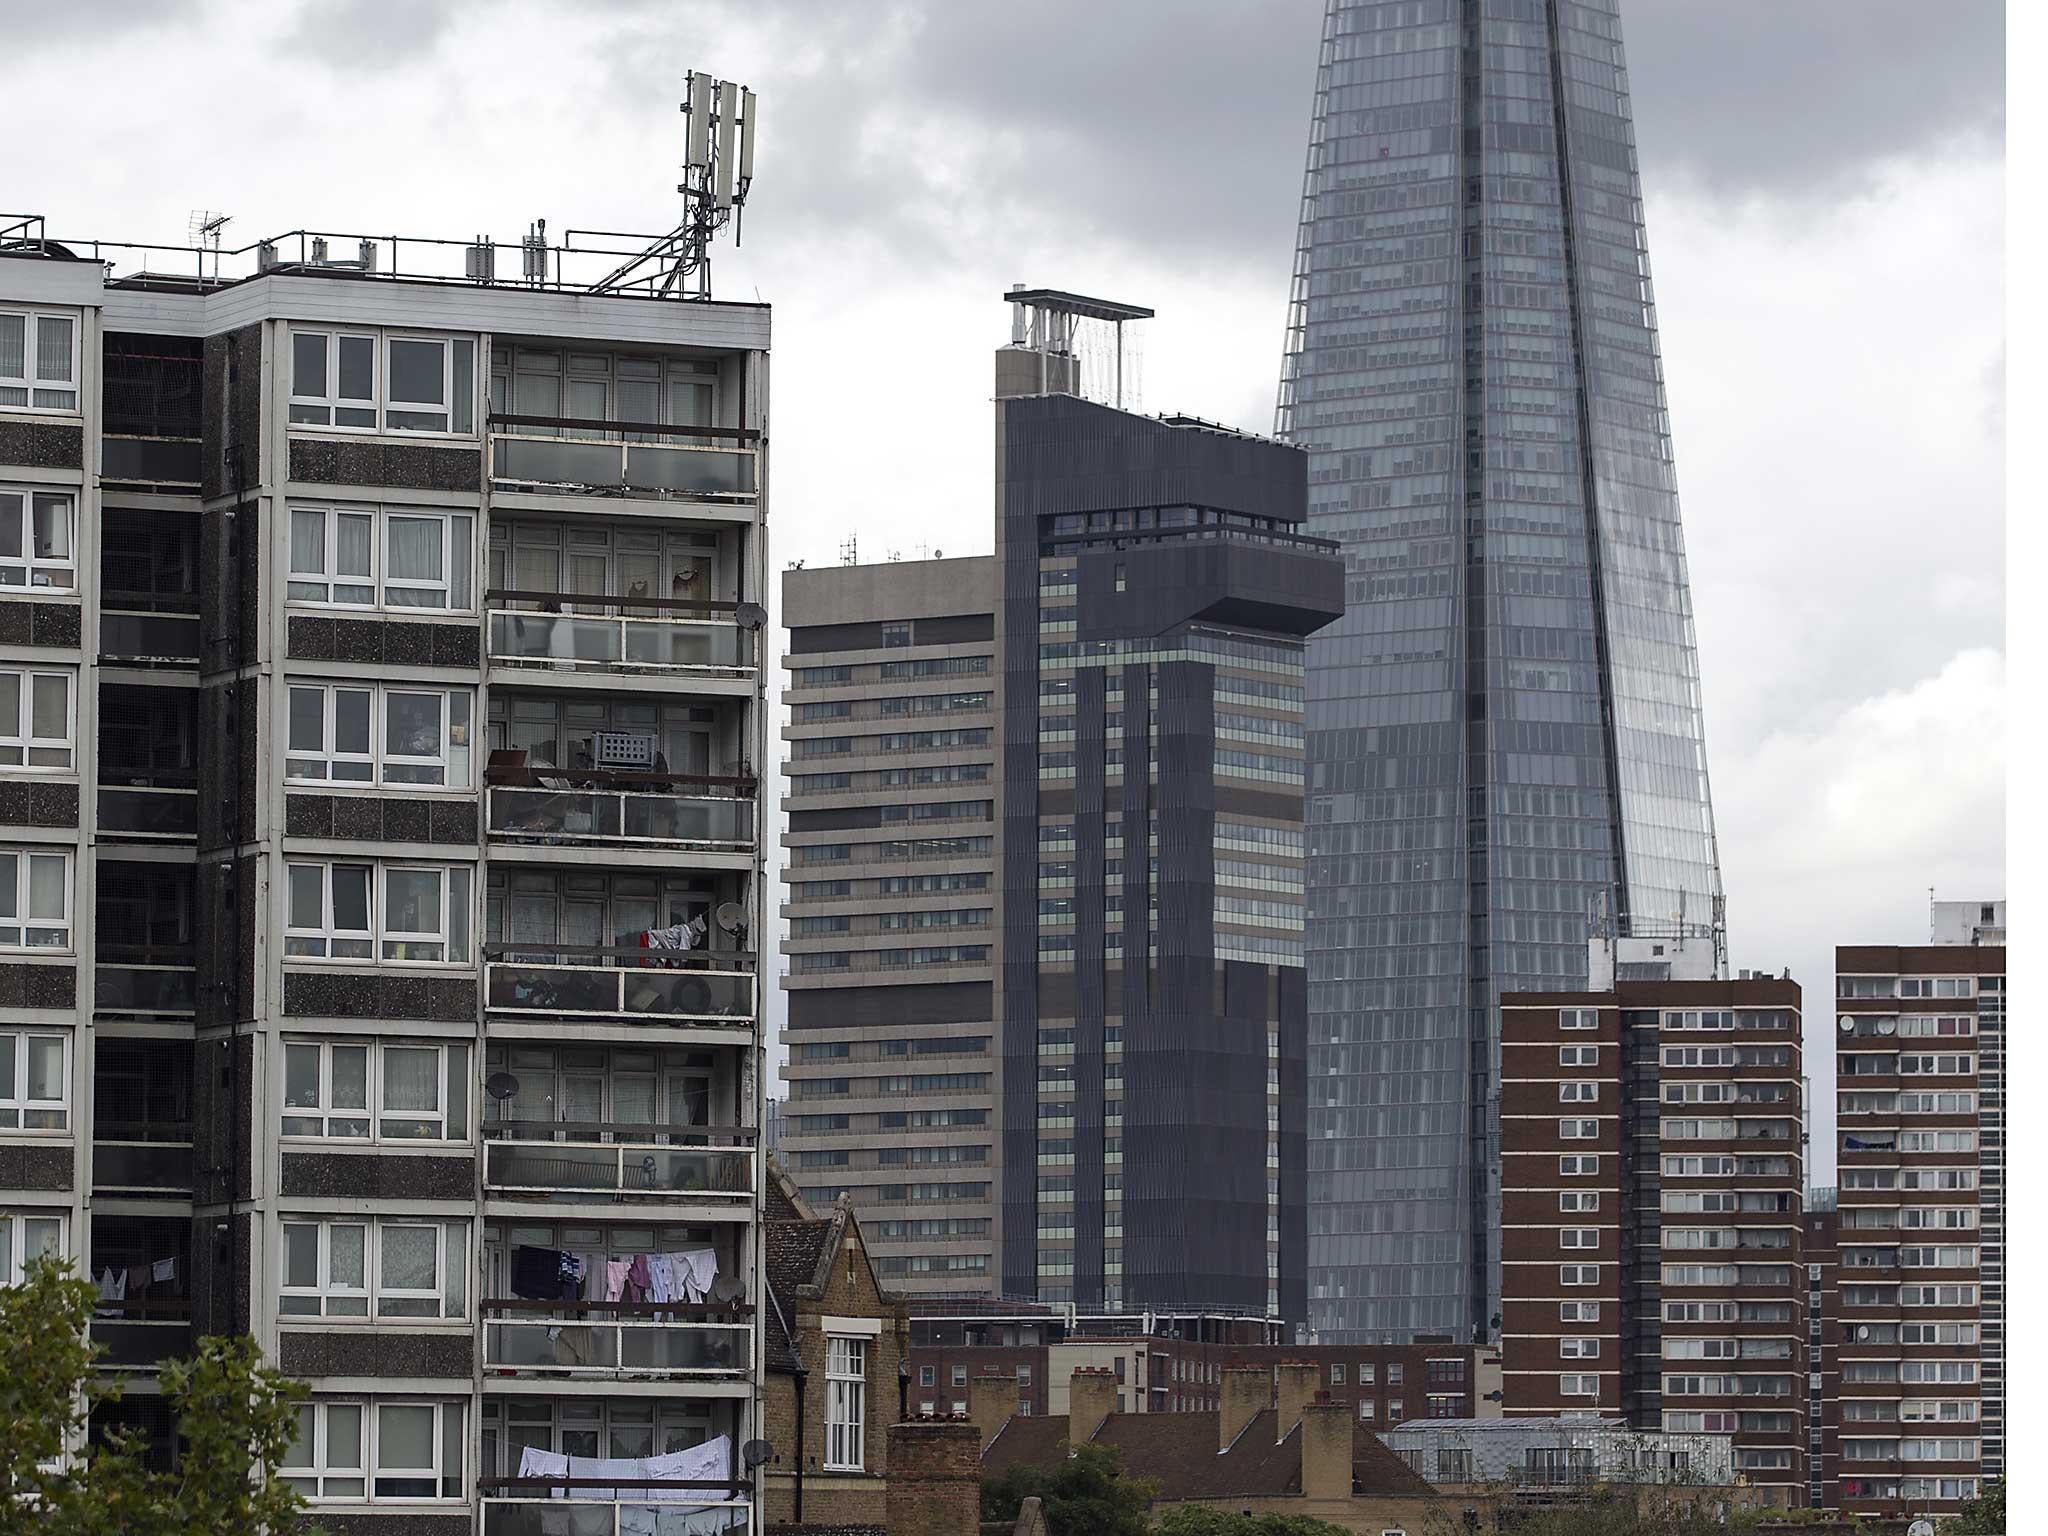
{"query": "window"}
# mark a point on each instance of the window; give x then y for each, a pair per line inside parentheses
(895, 636)
(1336, 1375)
(35, 1080)
(374, 734)
(927, 1376)
(1579, 1200)
(959, 1375)
(423, 912)
(845, 1403)
(1367, 1408)
(38, 361)
(35, 719)
(1578, 1349)
(1578, 1055)
(35, 900)
(329, 1266)
(1579, 1237)
(1578, 1165)
(26, 1236)
(364, 557)
(1578, 1018)
(1578, 1311)
(377, 1450)
(429, 382)
(36, 548)
(1578, 1386)
(1578, 1092)
(421, 1091)
(1578, 1130)
(1578, 1274)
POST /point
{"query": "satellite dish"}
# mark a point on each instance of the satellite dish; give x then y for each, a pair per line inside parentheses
(501, 1085)
(750, 615)
(1847, 1024)
(732, 917)
(754, 1452)
(1887, 1026)
(1920, 1528)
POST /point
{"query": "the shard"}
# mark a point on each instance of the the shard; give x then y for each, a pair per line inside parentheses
(1505, 740)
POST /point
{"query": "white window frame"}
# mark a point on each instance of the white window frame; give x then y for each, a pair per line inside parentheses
(1578, 1018)
(1578, 1311)
(378, 579)
(1578, 1237)
(445, 1436)
(14, 1234)
(17, 1109)
(373, 1299)
(379, 1119)
(1578, 1274)
(1578, 1200)
(1578, 1130)
(18, 736)
(1578, 1092)
(376, 765)
(1578, 1165)
(32, 381)
(382, 944)
(449, 408)
(330, 400)
(1578, 1055)
(1578, 1347)
(17, 920)
(28, 571)
(845, 1403)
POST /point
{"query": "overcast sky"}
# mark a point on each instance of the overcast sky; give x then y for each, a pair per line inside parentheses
(1825, 203)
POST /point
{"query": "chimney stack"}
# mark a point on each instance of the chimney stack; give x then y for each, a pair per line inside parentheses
(934, 1483)
(991, 1400)
(1298, 1381)
(1247, 1391)
(1326, 1434)
(1091, 1398)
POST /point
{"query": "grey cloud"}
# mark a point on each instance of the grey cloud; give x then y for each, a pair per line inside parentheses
(31, 26)
(345, 33)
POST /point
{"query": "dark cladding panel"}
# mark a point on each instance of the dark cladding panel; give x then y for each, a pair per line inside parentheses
(950, 1002)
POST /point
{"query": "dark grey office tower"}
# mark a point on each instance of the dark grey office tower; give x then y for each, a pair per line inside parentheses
(1504, 729)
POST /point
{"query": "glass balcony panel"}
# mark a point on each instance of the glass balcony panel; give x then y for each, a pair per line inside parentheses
(571, 639)
(147, 1166)
(149, 636)
(557, 461)
(530, 988)
(701, 471)
(149, 812)
(144, 989)
(568, 1169)
(685, 819)
(685, 994)
(687, 643)
(554, 813)
(573, 1344)
(581, 1516)
(634, 984)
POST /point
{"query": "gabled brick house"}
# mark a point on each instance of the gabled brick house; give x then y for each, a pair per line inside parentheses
(833, 1348)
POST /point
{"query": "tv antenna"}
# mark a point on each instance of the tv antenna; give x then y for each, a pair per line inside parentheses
(720, 120)
(204, 234)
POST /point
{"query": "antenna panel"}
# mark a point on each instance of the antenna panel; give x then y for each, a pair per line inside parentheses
(728, 121)
(697, 113)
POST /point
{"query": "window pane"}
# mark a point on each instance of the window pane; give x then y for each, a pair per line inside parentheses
(458, 914)
(464, 388)
(352, 898)
(41, 1237)
(51, 707)
(9, 872)
(352, 544)
(13, 347)
(302, 1076)
(10, 713)
(52, 528)
(358, 365)
(46, 886)
(345, 1437)
(302, 895)
(412, 549)
(412, 901)
(301, 1255)
(309, 365)
(415, 372)
(46, 1067)
(351, 1077)
(352, 721)
(53, 347)
(412, 1078)
(308, 724)
(309, 543)
(412, 724)
(405, 1437)
(345, 1256)
(406, 1258)
(6, 1080)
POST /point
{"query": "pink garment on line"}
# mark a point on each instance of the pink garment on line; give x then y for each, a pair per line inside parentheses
(615, 1273)
(640, 1277)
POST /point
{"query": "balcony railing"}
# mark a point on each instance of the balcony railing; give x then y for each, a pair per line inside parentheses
(602, 1161)
(137, 1334)
(592, 456)
(593, 629)
(581, 1338)
(148, 638)
(522, 1507)
(614, 806)
(149, 802)
(615, 981)
(143, 1159)
(151, 989)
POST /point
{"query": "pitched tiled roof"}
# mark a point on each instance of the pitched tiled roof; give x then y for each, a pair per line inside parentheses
(794, 1252)
(1179, 1452)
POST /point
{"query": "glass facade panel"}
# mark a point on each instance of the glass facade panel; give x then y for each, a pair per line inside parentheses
(1504, 730)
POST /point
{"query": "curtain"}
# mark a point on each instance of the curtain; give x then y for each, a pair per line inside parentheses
(412, 1079)
(407, 1257)
(13, 347)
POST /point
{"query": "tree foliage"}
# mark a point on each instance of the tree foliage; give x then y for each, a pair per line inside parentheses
(1981, 1516)
(1085, 1494)
(236, 1419)
(1608, 1512)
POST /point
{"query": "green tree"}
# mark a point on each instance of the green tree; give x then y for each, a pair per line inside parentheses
(1981, 1516)
(236, 1420)
(1084, 1494)
(1207, 1520)
(1604, 1512)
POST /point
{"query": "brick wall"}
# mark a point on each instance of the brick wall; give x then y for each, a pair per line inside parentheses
(934, 1479)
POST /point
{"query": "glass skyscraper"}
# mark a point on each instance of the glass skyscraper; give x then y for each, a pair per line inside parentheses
(1504, 729)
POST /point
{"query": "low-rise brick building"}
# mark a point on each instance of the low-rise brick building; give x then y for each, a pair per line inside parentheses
(833, 1345)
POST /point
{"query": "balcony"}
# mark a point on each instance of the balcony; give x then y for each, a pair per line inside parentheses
(605, 1162)
(586, 456)
(619, 808)
(611, 981)
(616, 1338)
(162, 989)
(522, 1506)
(667, 635)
